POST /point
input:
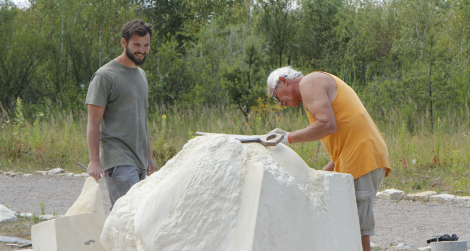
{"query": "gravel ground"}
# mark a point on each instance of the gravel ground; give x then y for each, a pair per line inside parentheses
(406, 222)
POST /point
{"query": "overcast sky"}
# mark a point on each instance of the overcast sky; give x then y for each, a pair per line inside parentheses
(20, 3)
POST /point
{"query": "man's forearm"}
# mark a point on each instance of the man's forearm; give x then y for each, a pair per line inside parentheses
(93, 140)
(313, 132)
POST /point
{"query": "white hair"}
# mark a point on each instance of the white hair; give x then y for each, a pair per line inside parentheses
(286, 72)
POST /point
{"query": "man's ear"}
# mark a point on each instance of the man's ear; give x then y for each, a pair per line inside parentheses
(123, 42)
(283, 79)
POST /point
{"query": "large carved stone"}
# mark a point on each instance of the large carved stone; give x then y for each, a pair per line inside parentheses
(220, 194)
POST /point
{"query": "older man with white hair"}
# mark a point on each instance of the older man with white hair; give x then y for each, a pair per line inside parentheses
(341, 122)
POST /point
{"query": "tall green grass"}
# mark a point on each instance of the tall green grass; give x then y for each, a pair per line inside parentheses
(421, 158)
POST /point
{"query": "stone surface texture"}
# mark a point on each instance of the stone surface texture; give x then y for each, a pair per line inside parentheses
(441, 198)
(424, 196)
(220, 194)
(55, 171)
(394, 194)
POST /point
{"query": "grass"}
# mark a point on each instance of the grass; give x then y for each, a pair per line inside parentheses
(19, 229)
(421, 158)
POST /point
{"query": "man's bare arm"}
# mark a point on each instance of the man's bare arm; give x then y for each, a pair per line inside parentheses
(318, 91)
(151, 168)
(95, 115)
(329, 167)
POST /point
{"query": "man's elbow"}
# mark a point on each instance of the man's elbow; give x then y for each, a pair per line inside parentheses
(331, 128)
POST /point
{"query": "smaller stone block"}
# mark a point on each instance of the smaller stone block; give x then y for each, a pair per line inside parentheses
(55, 171)
(6, 215)
(68, 175)
(10, 173)
(440, 198)
(27, 175)
(395, 194)
(40, 173)
(424, 196)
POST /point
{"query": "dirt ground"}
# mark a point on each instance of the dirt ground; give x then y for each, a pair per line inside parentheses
(406, 222)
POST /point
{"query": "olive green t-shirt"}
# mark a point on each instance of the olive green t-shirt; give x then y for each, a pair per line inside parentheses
(123, 92)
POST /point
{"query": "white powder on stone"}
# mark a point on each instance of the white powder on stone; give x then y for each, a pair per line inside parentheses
(220, 194)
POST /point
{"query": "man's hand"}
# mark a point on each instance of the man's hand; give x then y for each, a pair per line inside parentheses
(284, 140)
(329, 167)
(151, 167)
(95, 169)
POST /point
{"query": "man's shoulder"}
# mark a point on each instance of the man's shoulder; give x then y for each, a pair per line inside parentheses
(108, 71)
(108, 68)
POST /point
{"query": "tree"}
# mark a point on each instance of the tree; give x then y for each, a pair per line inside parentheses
(278, 22)
(244, 79)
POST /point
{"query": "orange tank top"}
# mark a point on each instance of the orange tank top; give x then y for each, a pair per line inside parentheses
(357, 147)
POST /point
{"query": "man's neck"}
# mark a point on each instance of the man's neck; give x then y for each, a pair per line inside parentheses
(124, 60)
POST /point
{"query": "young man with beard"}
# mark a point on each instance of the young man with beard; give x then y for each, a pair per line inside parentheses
(117, 129)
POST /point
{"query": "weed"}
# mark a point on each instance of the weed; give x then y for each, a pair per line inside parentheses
(42, 208)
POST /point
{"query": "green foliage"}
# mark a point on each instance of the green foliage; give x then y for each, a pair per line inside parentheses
(407, 59)
(42, 209)
(243, 80)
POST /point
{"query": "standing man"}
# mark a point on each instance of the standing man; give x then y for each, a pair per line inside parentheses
(339, 119)
(117, 102)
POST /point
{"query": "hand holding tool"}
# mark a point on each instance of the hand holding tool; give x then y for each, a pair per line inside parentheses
(271, 139)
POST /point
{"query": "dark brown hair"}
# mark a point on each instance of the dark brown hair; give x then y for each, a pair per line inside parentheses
(137, 26)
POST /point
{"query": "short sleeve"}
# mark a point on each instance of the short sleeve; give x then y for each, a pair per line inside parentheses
(98, 91)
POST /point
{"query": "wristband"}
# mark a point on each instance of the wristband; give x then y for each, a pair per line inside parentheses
(288, 140)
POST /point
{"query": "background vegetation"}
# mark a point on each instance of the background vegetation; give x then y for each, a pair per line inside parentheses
(407, 60)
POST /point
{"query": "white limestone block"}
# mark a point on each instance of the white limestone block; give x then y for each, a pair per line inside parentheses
(27, 175)
(40, 173)
(461, 199)
(6, 215)
(55, 171)
(220, 194)
(79, 229)
(394, 194)
(423, 196)
(440, 198)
